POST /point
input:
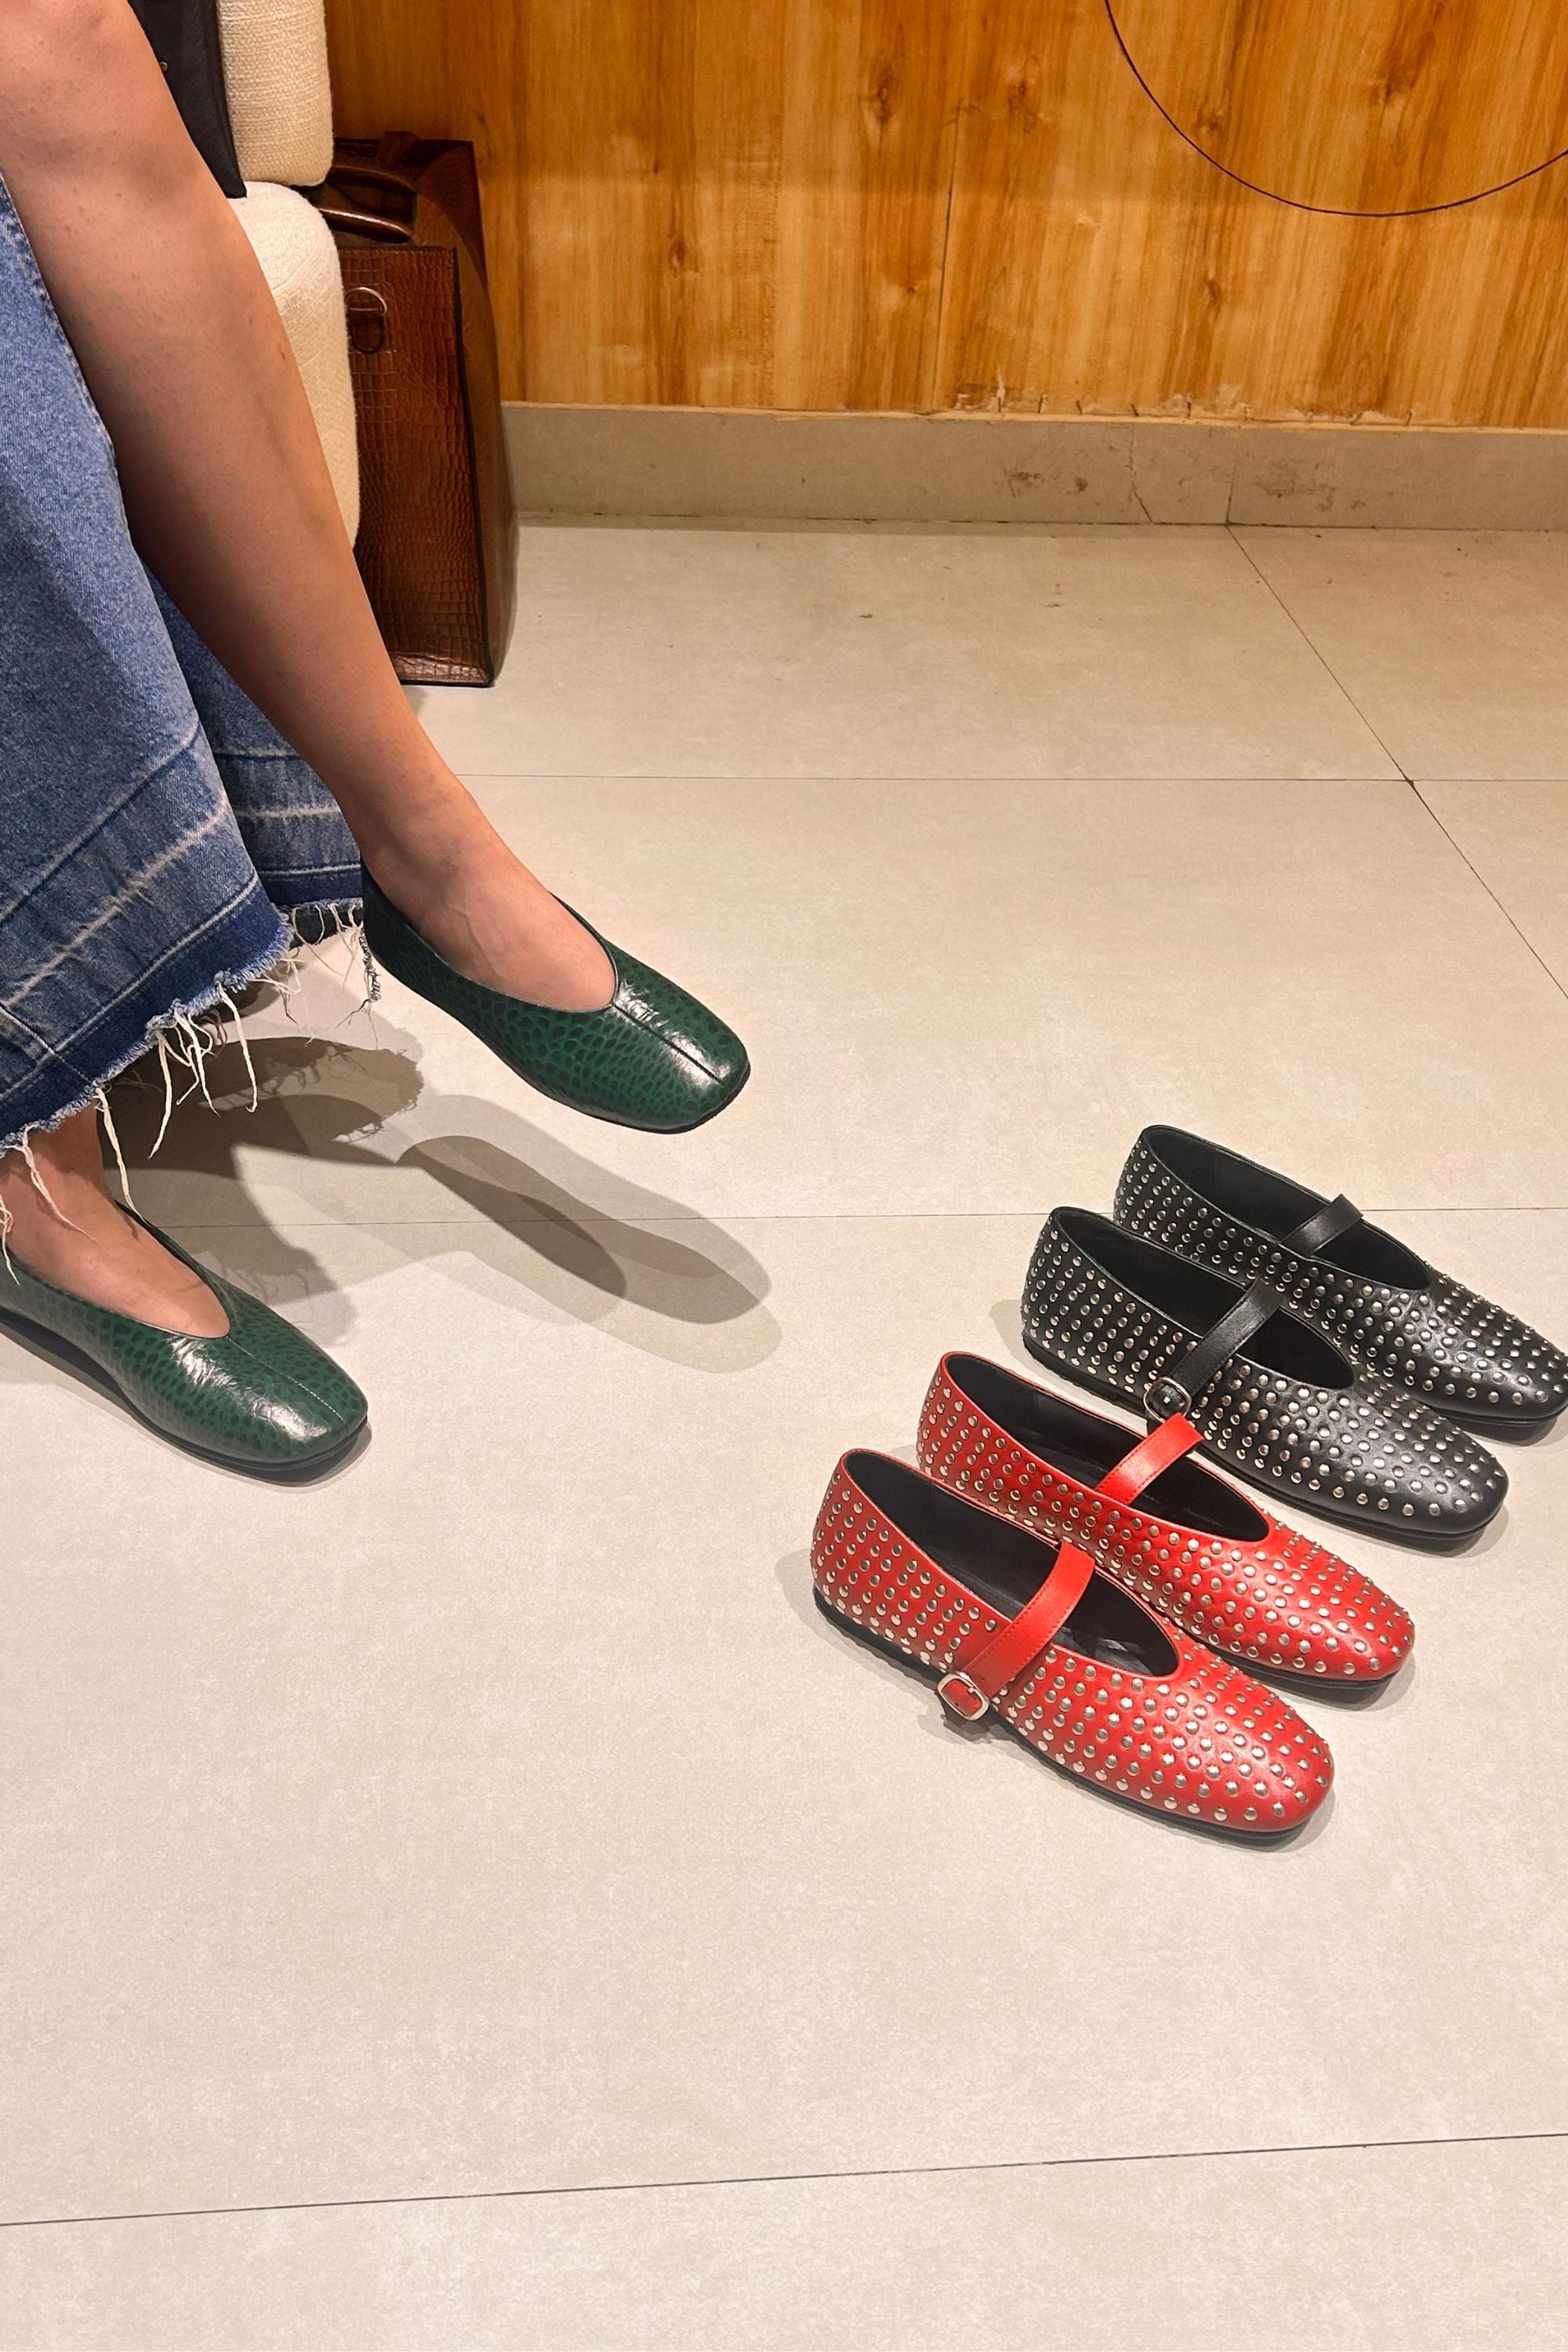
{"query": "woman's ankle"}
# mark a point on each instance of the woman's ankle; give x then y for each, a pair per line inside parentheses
(56, 1165)
(62, 1223)
(493, 920)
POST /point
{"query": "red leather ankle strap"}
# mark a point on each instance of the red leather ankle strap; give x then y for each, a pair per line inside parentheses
(1164, 1445)
(978, 1674)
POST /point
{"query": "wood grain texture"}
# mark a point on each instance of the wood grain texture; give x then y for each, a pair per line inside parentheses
(1371, 105)
(1096, 261)
(696, 202)
(907, 204)
(452, 72)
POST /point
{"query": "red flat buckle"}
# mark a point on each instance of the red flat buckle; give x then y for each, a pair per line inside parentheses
(961, 1697)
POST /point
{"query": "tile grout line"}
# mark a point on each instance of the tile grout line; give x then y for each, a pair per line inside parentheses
(1422, 802)
(1316, 652)
(517, 1226)
(851, 779)
(1506, 913)
(788, 2179)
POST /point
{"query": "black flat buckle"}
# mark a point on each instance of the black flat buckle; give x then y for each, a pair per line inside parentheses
(1165, 1389)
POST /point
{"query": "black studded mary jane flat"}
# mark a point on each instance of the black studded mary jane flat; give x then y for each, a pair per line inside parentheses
(1381, 1305)
(1272, 1398)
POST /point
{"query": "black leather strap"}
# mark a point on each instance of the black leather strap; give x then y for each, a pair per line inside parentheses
(1323, 1226)
(1177, 1386)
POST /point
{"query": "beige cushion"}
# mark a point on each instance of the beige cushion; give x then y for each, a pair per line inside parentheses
(300, 261)
(279, 98)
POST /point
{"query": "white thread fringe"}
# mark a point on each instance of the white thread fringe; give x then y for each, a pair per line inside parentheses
(187, 1034)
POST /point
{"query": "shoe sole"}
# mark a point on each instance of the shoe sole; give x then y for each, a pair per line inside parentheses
(1521, 1432)
(585, 1110)
(1345, 1692)
(68, 1358)
(930, 1675)
(609, 1118)
(1389, 1530)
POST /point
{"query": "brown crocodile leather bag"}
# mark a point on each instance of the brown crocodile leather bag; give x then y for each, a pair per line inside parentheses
(435, 544)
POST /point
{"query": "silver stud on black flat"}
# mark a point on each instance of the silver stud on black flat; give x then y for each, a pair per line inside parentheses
(1383, 1306)
(1284, 1407)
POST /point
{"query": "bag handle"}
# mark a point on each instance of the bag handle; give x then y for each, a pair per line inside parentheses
(376, 176)
(358, 223)
(335, 201)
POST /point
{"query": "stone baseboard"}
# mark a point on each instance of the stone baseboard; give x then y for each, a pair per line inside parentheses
(975, 468)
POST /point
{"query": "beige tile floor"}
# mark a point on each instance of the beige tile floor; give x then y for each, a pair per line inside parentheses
(476, 1902)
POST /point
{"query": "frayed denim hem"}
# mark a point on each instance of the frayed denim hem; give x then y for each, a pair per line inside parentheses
(145, 882)
(177, 1031)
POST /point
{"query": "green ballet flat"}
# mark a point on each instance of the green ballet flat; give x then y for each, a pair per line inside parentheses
(652, 1057)
(261, 1398)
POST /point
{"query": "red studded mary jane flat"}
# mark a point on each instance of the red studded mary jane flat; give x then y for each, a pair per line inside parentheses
(1071, 1664)
(1175, 1535)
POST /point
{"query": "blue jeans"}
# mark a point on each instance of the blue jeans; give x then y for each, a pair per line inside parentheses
(159, 841)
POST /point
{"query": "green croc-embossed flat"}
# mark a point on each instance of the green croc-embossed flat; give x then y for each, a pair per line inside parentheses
(262, 1397)
(652, 1057)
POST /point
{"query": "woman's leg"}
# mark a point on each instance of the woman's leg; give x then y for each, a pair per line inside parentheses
(62, 1223)
(225, 488)
(127, 894)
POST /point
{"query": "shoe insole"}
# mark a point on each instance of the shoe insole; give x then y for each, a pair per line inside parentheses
(1003, 1566)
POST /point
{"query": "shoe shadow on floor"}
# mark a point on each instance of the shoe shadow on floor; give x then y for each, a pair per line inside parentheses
(323, 1100)
(794, 1575)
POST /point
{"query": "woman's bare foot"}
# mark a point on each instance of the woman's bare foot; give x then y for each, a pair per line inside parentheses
(480, 907)
(65, 1228)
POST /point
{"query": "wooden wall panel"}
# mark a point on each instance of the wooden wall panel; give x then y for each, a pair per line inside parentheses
(1360, 105)
(870, 115)
(452, 72)
(651, 146)
(907, 204)
(698, 201)
(1096, 261)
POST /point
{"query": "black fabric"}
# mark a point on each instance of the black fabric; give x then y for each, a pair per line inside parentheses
(184, 34)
